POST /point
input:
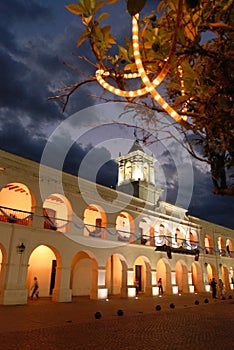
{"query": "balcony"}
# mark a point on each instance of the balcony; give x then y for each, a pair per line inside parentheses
(15, 216)
(161, 243)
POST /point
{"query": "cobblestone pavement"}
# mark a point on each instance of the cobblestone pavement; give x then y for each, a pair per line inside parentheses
(44, 325)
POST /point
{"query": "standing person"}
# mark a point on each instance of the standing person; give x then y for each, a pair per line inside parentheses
(160, 287)
(213, 286)
(136, 284)
(35, 288)
(221, 287)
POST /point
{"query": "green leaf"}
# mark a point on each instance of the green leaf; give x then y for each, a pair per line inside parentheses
(135, 6)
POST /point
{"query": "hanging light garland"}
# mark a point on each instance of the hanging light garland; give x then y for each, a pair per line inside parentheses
(149, 86)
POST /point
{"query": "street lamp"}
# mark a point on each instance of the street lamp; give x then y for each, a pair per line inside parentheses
(20, 248)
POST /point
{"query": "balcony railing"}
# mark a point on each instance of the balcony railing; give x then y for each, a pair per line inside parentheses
(161, 242)
(15, 216)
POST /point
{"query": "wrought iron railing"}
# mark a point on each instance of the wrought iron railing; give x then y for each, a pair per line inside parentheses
(16, 216)
(159, 241)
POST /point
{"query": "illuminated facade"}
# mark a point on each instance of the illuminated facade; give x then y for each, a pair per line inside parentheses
(90, 240)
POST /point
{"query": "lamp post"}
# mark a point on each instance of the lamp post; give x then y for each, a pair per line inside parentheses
(20, 248)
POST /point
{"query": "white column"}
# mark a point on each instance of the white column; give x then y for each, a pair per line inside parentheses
(62, 291)
(102, 290)
(130, 281)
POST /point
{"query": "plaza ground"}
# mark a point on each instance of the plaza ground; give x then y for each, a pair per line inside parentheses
(46, 325)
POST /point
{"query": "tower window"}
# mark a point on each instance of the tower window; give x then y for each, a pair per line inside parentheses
(128, 170)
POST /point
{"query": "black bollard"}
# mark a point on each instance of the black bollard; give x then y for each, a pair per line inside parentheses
(120, 312)
(97, 315)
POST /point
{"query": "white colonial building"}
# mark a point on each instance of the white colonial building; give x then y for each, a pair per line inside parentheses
(84, 239)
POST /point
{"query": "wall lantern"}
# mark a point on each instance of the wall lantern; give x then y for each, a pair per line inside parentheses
(20, 248)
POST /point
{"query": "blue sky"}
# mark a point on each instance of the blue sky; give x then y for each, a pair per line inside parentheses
(36, 37)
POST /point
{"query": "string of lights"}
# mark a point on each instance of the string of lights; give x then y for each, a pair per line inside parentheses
(149, 86)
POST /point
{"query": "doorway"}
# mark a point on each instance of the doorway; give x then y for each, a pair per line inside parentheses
(138, 276)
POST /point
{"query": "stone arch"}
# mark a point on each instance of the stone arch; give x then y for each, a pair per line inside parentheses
(163, 270)
(225, 277)
(179, 237)
(197, 277)
(125, 227)
(211, 272)
(182, 276)
(209, 244)
(142, 273)
(57, 212)
(192, 240)
(221, 246)
(145, 231)
(162, 234)
(45, 263)
(84, 275)
(95, 221)
(229, 247)
(116, 275)
(17, 204)
(3, 260)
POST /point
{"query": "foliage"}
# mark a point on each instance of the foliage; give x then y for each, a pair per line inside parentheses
(198, 37)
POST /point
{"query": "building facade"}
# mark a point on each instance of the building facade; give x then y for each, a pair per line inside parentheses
(83, 239)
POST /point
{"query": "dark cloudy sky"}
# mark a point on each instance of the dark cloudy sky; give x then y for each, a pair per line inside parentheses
(36, 37)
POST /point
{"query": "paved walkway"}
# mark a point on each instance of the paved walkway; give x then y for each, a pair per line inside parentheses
(45, 325)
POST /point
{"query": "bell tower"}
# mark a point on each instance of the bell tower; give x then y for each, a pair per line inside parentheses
(136, 174)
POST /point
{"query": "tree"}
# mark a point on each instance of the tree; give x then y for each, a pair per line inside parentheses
(187, 45)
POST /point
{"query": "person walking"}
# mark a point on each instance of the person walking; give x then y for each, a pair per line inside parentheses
(213, 284)
(160, 287)
(221, 288)
(35, 288)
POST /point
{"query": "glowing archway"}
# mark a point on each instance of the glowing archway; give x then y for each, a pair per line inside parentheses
(95, 221)
(125, 227)
(163, 271)
(84, 275)
(197, 277)
(209, 245)
(57, 212)
(225, 277)
(145, 231)
(142, 274)
(42, 264)
(221, 246)
(17, 204)
(182, 277)
(116, 274)
(229, 247)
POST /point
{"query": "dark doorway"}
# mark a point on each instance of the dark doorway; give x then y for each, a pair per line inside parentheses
(52, 277)
(138, 269)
